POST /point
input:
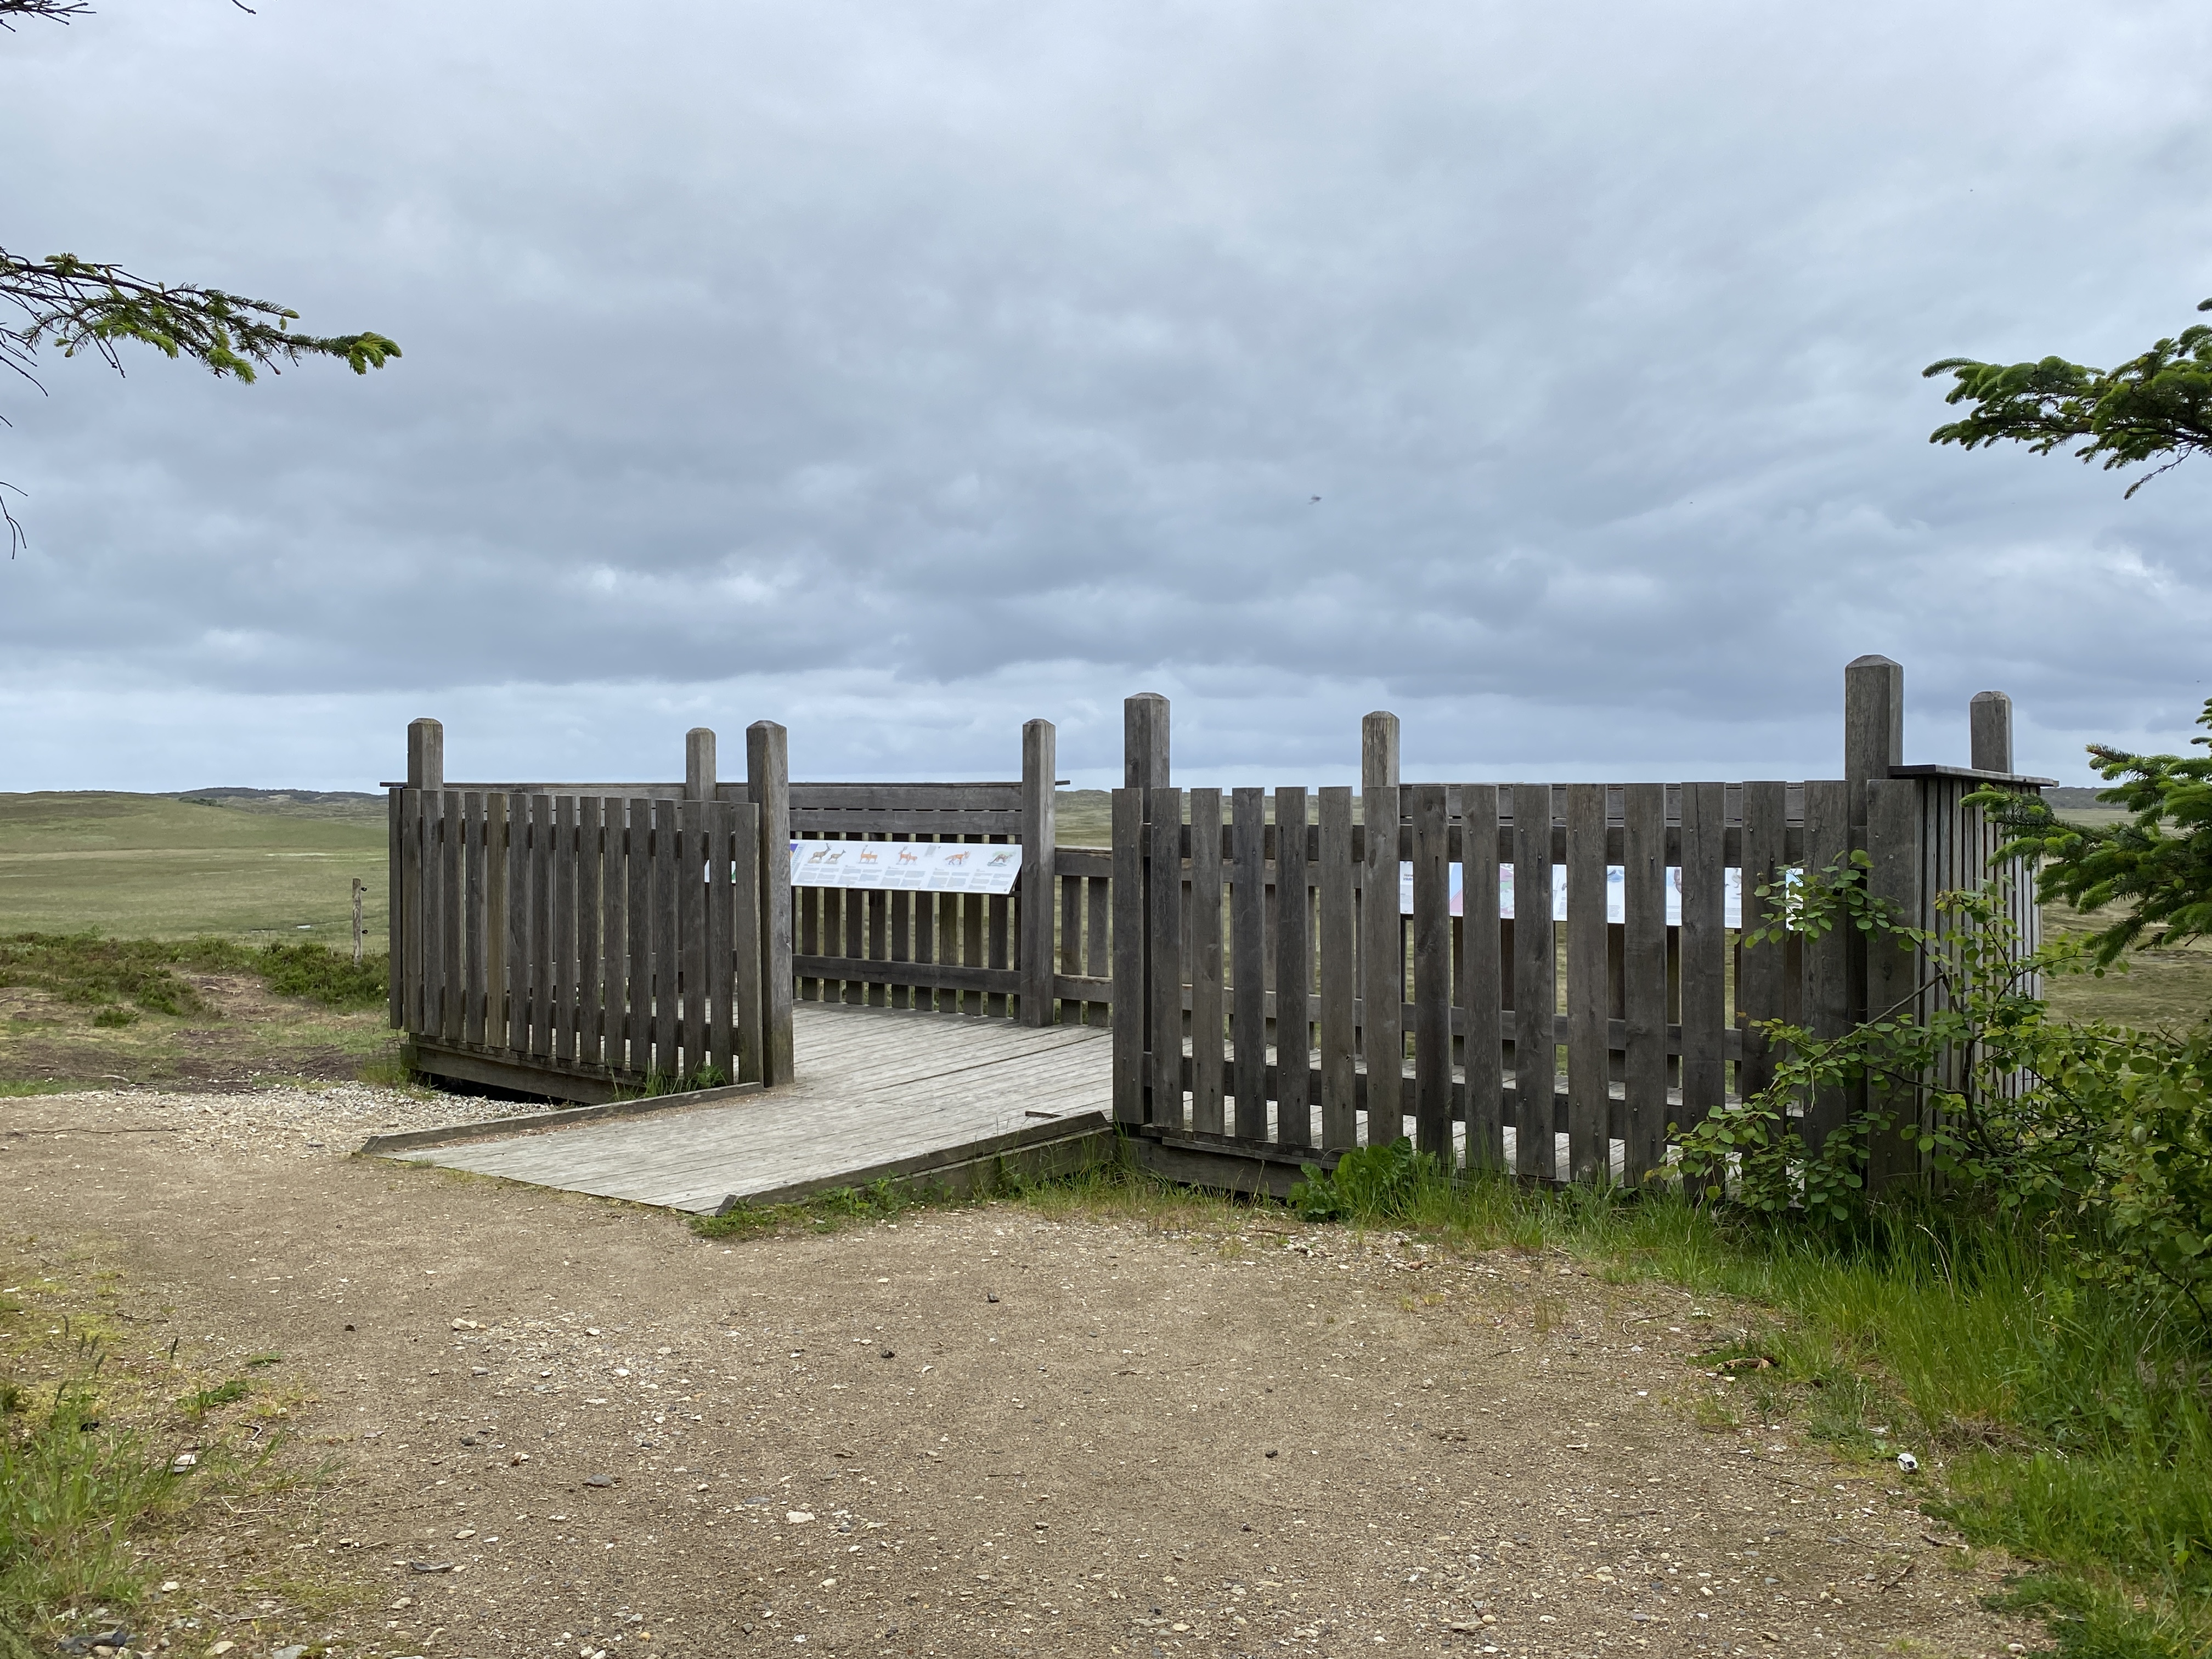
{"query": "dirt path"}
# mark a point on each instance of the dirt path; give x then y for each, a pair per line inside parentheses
(994, 1430)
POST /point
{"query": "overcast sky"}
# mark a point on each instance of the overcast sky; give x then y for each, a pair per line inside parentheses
(902, 372)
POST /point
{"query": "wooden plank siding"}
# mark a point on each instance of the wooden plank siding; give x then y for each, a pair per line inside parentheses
(585, 937)
(1650, 1012)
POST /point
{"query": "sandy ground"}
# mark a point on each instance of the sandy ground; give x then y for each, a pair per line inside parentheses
(559, 1425)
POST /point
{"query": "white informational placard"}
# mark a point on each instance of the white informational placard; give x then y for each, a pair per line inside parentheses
(931, 867)
(1615, 910)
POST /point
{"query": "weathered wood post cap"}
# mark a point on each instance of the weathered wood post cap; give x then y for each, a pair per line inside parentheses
(1378, 750)
(426, 754)
(1873, 725)
(1145, 741)
(1989, 725)
(699, 763)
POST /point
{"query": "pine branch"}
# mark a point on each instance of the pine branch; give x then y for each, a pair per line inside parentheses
(2155, 407)
(79, 305)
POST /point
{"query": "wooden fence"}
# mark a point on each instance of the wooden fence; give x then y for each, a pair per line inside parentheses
(1289, 1007)
(584, 940)
(1039, 954)
(1274, 997)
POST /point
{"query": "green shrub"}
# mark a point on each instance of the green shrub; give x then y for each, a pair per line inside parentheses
(106, 974)
(1378, 1183)
(2099, 1134)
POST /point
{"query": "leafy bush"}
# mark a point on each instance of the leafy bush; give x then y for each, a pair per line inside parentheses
(2158, 863)
(320, 973)
(2101, 1134)
(1380, 1183)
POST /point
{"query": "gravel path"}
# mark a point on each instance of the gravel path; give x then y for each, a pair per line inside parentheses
(329, 1122)
(554, 1425)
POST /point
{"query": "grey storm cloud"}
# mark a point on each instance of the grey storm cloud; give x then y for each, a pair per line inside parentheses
(899, 373)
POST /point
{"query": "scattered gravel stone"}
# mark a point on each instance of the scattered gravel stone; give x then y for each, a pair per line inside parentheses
(328, 1121)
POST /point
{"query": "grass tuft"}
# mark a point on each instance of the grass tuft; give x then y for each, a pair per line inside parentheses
(90, 969)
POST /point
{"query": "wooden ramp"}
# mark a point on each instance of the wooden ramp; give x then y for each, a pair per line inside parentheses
(878, 1092)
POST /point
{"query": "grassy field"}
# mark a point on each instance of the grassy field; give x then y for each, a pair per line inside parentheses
(152, 867)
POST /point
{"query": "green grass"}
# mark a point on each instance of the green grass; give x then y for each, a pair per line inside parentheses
(151, 866)
(87, 969)
(71, 1486)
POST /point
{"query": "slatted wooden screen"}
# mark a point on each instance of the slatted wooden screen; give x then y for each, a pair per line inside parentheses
(1040, 952)
(1246, 937)
(602, 936)
(937, 952)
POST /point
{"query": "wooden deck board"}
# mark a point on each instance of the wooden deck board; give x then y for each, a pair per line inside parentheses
(872, 1086)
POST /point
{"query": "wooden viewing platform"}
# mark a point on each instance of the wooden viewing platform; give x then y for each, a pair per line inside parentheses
(879, 1093)
(1538, 977)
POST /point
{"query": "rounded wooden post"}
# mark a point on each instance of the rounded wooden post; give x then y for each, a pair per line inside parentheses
(1145, 741)
(1989, 721)
(1873, 726)
(426, 754)
(768, 785)
(1383, 939)
(1039, 756)
(699, 763)
(1378, 750)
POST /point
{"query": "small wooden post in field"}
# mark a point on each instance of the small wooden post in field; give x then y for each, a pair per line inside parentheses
(358, 889)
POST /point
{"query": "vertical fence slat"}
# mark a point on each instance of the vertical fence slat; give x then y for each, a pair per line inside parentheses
(1897, 831)
(541, 950)
(521, 932)
(691, 876)
(637, 878)
(1535, 989)
(902, 907)
(614, 937)
(1069, 940)
(1164, 931)
(1589, 1150)
(452, 826)
(1247, 1019)
(1481, 986)
(590, 917)
(563, 999)
(748, 975)
(1381, 967)
(1644, 976)
(1704, 951)
(971, 942)
(718, 970)
(1293, 974)
(1202, 944)
(497, 927)
(1001, 912)
(397, 935)
(667, 940)
(474, 917)
(1427, 804)
(1129, 883)
(424, 888)
(878, 911)
(1340, 978)
(1828, 958)
(1759, 989)
(809, 900)
(1098, 931)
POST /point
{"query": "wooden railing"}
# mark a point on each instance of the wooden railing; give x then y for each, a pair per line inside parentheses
(584, 940)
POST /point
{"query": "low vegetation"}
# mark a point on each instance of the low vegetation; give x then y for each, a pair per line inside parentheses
(100, 1455)
(118, 977)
